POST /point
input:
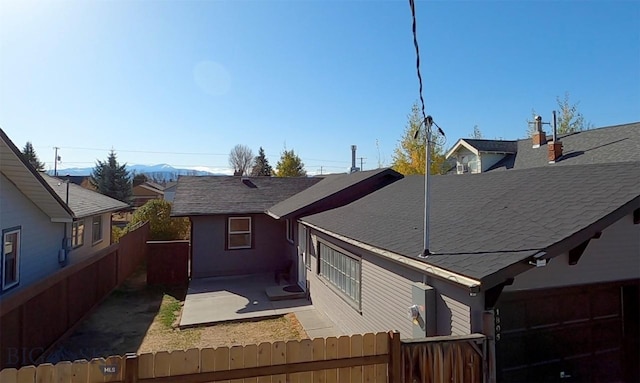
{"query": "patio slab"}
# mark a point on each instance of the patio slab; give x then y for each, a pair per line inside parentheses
(221, 299)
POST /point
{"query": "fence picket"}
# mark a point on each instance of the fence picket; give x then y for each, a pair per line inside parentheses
(145, 366)
(27, 374)
(221, 357)
(79, 371)
(62, 372)
(293, 356)
(192, 362)
(331, 352)
(45, 373)
(278, 356)
(207, 360)
(382, 347)
(368, 348)
(162, 364)
(178, 361)
(318, 354)
(356, 350)
(264, 359)
(96, 370)
(236, 360)
(117, 363)
(344, 351)
(250, 355)
(9, 375)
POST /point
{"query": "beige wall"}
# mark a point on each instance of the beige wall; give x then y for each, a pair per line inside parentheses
(88, 248)
(615, 256)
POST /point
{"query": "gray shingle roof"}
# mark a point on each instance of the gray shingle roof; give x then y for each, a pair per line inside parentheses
(620, 143)
(482, 223)
(499, 146)
(83, 202)
(206, 195)
(329, 187)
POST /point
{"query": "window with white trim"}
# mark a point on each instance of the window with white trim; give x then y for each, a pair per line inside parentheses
(302, 243)
(342, 271)
(96, 229)
(239, 233)
(77, 233)
(10, 258)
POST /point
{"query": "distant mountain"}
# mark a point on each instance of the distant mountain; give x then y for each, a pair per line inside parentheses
(160, 172)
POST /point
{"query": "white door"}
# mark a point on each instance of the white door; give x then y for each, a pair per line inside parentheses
(302, 256)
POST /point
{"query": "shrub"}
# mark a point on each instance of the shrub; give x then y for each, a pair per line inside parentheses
(162, 226)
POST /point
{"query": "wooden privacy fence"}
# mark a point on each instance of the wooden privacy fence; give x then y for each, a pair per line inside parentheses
(167, 262)
(33, 319)
(376, 358)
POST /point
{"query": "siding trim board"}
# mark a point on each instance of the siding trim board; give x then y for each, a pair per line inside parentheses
(397, 258)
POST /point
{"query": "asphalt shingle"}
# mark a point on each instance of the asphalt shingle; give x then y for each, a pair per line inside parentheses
(207, 195)
(83, 202)
(481, 223)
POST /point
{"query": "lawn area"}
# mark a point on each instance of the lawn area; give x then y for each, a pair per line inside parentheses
(137, 318)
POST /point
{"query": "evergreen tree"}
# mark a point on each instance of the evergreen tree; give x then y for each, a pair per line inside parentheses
(112, 179)
(409, 155)
(30, 155)
(261, 165)
(290, 165)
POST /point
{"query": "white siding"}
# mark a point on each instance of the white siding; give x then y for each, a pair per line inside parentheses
(615, 256)
(40, 238)
(490, 159)
(88, 248)
(459, 324)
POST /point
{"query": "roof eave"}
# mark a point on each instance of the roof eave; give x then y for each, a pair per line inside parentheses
(461, 142)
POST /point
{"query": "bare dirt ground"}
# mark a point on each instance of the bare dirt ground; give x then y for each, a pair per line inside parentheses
(140, 319)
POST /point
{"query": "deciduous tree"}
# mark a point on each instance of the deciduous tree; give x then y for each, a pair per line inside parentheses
(241, 159)
(569, 118)
(290, 165)
(112, 179)
(30, 155)
(409, 156)
(162, 227)
(477, 134)
(261, 165)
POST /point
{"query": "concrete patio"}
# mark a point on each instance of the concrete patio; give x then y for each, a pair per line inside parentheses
(221, 299)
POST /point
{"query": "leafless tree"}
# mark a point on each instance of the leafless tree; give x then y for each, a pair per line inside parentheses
(241, 159)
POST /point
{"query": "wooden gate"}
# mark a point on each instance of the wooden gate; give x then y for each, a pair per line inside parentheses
(445, 359)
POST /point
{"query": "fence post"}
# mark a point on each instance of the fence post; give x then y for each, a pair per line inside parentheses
(131, 368)
(395, 357)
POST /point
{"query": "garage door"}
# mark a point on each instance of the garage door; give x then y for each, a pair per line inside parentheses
(560, 335)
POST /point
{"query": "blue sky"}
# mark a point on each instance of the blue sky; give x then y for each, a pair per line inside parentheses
(183, 82)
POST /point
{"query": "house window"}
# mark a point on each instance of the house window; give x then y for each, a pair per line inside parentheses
(77, 233)
(239, 233)
(342, 271)
(96, 231)
(289, 230)
(10, 258)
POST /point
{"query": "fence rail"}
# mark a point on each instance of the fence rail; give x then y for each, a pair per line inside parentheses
(377, 358)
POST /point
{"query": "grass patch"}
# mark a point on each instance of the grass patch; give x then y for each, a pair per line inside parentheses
(169, 310)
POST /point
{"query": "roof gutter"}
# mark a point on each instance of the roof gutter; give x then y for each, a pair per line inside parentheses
(438, 272)
(272, 215)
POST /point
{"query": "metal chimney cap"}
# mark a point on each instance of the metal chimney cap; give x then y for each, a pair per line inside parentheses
(538, 118)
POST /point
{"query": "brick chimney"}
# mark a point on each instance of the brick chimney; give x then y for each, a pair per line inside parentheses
(539, 137)
(555, 146)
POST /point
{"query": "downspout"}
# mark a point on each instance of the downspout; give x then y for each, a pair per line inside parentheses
(62, 258)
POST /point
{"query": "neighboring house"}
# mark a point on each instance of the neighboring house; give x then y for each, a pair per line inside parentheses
(546, 261)
(33, 218)
(146, 192)
(230, 232)
(620, 143)
(90, 230)
(170, 191)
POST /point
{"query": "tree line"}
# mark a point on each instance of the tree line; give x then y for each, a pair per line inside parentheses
(244, 163)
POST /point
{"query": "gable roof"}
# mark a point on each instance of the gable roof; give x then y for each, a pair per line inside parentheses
(330, 187)
(484, 225)
(207, 195)
(83, 202)
(477, 145)
(619, 143)
(150, 188)
(20, 172)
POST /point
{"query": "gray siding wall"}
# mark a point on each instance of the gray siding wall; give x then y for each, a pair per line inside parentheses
(88, 248)
(211, 258)
(386, 297)
(615, 256)
(490, 159)
(40, 239)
